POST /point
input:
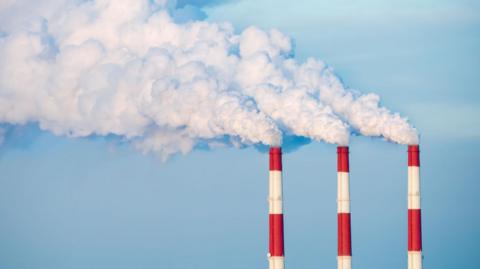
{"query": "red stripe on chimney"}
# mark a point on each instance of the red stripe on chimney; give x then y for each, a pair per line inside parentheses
(276, 234)
(413, 155)
(275, 159)
(344, 236)
(414, 230)
(342, 159)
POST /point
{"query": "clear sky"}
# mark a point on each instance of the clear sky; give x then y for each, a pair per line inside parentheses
(98, 203)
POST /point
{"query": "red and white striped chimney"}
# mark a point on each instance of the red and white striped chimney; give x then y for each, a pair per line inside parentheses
(414, 212)
(276, 258)
(343, 209)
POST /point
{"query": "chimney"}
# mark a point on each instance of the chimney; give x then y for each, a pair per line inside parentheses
(276, 252)
(414, 212)
(344, 259)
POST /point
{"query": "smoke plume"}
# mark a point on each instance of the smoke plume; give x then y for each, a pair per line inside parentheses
(131, 69)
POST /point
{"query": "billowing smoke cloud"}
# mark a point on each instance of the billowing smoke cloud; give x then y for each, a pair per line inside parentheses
(129, 68)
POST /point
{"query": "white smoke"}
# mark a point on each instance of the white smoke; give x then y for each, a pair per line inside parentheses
(125, 67)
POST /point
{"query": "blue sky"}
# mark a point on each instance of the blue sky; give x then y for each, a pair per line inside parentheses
(97, 203)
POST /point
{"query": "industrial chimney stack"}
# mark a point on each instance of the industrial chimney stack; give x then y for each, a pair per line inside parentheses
(276, 253)
(414, 212)
(343, 209)
(276, 246)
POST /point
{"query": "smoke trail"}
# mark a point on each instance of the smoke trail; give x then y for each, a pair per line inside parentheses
(81, 68)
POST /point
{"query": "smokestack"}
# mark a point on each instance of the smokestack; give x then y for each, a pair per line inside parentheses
(276, 254)
(414, 212)
(343, 203)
